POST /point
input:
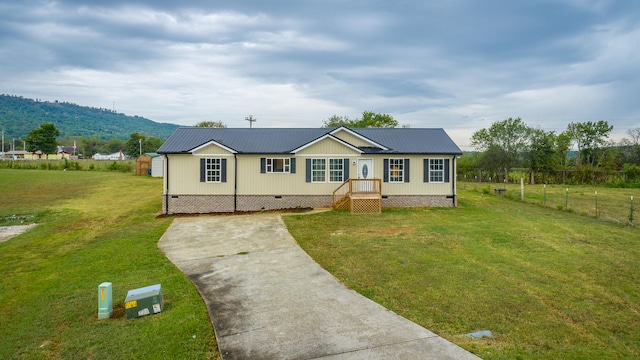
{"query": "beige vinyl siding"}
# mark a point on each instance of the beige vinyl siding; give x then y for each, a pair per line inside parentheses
(416, 185)
(252, 182)
(327, 147)
(212, 149)
(184, 178)
(351, 139)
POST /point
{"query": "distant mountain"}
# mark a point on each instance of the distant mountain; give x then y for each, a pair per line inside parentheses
(19, 115)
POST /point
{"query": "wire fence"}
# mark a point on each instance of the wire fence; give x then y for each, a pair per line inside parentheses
(583, 175)
(618, 205)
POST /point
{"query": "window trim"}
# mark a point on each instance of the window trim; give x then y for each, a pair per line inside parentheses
(315, 171)
(433, 173)
(286, 165)
(341, 163)
(401, 162)
(209, 172)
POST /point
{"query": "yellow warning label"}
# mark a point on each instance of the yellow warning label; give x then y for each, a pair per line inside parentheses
(131, 304)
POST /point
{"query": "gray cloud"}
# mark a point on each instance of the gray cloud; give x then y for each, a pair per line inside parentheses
(458, 64)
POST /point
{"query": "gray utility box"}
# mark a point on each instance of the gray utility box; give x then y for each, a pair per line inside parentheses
(144, 301)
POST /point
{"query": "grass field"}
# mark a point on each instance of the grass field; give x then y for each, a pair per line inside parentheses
(93, 227)
(548, 284)
(603, 203)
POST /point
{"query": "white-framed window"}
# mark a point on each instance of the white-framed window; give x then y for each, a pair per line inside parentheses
(213, 170)
(336, 170)
(318, 170)
(436, 170)
(396, 170)
(277, 165)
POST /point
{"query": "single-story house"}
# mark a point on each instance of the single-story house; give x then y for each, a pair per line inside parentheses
(115, 156)
(210, 170)
(67, 152)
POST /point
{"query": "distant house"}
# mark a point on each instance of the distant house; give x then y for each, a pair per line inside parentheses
(225, 170)
(67, 152)
(16, 154)
(115, 156)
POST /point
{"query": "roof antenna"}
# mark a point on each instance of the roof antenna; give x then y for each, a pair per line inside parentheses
(251, 120)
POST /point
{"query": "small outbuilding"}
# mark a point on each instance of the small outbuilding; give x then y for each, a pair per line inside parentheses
(150, 164)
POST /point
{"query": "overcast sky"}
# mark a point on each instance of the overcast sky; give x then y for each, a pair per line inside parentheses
(456, 64)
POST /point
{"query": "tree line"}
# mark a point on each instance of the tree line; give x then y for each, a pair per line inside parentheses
(582, 151)
(44, 139)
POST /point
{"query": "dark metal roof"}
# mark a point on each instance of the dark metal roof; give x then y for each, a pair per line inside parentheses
(412, 140)
(284, 140)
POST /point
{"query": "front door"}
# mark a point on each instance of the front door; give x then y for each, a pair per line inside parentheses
(365, 171)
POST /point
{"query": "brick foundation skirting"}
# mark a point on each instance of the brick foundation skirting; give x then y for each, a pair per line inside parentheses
(419, 200)
(204, 204)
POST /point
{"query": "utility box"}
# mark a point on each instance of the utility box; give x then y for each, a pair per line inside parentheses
(105, 300)
(144, 301)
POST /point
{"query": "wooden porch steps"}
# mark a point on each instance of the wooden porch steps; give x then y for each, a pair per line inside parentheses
(359, 196)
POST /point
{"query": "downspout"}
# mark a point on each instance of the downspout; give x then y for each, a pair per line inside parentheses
(235, 182)
(166, 184)
(453, 183)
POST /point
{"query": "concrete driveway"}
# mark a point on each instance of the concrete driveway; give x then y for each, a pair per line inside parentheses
(268, 299)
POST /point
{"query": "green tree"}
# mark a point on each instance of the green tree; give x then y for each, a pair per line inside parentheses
(336, 121)
(43, 139)
(589, 137)
(492, 159)
(90, 146)
(152, 144)
(112, 146)
(507, 139)
(132, 147)
(542, 155)
(139, 144)
(369, 119)
(630, 148)
(211, 124)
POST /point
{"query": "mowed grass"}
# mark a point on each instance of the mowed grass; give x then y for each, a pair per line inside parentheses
(548, 284)
(93, 227)
(603, 203)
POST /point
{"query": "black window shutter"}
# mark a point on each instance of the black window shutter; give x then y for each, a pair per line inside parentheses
(446, 170)
(263, 165)
(406, 170)
(223, 170)
(292, 165)
(308, 169)
(426, 170)
(203, 172)
(385, 165)
(345, 170)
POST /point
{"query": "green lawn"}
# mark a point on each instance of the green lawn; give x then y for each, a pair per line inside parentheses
(603, 203)
(94, 227)
(548, 284)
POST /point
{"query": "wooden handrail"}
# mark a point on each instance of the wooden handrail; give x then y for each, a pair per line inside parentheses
(357, 186)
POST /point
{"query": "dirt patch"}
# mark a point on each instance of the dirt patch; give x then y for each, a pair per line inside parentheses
(7, 232)
(391, 231)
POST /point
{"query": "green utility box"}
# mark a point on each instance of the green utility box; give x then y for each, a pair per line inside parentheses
(144, 301)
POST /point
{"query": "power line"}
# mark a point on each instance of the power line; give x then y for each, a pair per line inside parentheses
(251, 120)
